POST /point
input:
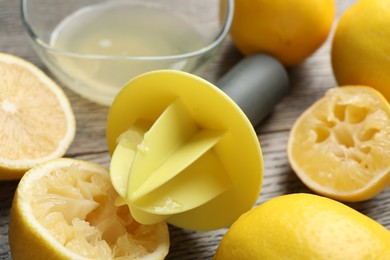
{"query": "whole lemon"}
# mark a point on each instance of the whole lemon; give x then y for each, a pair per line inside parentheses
(304, 226)
(288, 30)
(361, 46)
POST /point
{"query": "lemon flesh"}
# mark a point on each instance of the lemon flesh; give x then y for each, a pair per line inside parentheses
(340, 146)
(64, 209)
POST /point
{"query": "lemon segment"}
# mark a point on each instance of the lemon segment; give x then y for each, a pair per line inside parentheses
(64, 209)
(340, 146)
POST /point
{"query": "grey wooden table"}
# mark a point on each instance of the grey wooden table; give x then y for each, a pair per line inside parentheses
(309, 81)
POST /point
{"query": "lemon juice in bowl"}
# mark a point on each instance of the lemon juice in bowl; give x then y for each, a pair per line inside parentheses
(94, 47)
(120, 30)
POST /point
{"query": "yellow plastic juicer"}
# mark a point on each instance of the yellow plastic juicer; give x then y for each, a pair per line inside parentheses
(183, 151)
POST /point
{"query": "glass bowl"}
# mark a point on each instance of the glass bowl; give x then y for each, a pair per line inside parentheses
(94, 47)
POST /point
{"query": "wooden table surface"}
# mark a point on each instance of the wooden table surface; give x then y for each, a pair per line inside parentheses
(308, 82)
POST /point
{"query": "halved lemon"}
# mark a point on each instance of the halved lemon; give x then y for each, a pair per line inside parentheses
(37, 121)
(64, 209)
(340, 146)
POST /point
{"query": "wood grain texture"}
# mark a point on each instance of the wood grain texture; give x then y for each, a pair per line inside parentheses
(308, 82)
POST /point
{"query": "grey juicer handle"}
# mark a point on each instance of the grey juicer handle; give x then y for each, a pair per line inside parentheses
(256, 84)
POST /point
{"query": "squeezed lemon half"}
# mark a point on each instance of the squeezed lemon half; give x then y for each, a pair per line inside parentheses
(64, 209)
(340, 146)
